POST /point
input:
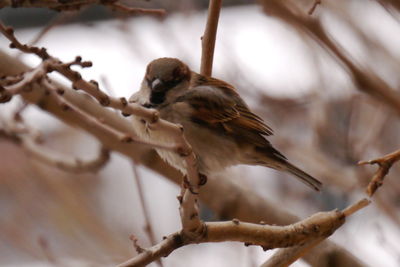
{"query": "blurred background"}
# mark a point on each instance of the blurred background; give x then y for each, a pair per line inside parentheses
(322, 122)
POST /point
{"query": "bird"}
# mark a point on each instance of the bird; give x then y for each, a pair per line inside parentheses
(217, 123)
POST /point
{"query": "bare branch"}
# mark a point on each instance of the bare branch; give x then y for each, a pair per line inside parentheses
(95, 122)
(286, 256)
(364, 79)
(60, 19)
(384, 163)
(8, 32)
(189, 203)
(208, 39)
(136, 245)
(147, 227)
(317, 226)
(314, 6)
(75, 5)
(356, 207)
(115, 6)
(28, 138)
(62, 163)
(53, 64)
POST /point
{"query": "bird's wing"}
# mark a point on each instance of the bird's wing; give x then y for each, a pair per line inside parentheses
(221, 108)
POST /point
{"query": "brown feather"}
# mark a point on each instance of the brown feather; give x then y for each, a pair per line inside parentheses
(222, 109)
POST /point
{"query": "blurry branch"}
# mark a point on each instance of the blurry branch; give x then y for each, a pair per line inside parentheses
(62, 163)
(286, 256)
(74, 5)
(115, 6)
(384, 163)
(321, 224)
(147, 227)
(365, 80)
(314, 6)
(38, 75)
(29, 140)
(138, 181)
(135, 243)
(209, 36)
(393, 3)
(61, 18)
(45, 246)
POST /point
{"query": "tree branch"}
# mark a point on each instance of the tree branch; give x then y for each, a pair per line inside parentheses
(147, 227)
(314, 6)
(75, 5)
(384, 163)
(209, 36)
(191, 223)
(321, 224)
(28, 139)
(286, 256)
(365, 80)
(71, 165)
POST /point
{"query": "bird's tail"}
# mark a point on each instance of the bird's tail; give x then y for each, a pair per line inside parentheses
(274, 159)
(301, 175)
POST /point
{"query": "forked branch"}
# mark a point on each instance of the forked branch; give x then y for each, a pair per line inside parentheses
(384, 163)
(191, 223)
(319, 225)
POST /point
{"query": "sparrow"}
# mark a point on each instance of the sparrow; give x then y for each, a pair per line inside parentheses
(217, 123)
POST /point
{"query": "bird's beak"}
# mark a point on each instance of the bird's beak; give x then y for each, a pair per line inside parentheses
(157, 85)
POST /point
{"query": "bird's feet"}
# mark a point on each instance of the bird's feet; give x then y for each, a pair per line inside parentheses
(187, 185)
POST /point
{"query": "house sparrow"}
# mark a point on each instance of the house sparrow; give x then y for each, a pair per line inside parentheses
(217, 122)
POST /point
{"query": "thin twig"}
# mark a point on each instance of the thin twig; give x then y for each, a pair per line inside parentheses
(93, 121)
(136, 245)
(61, 18)
(62, 163)
(384, 163)
(356, 207)
(145, 209)
(314, 6)
(365, 80)
(37, 76)
(209, 36)
(29, 139)
(115, 6)
(75, 5)
(45, 246)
